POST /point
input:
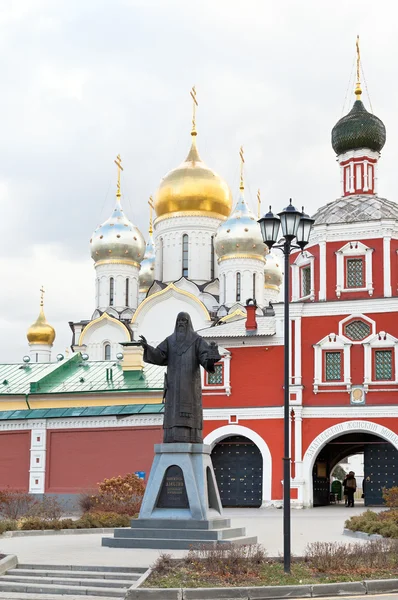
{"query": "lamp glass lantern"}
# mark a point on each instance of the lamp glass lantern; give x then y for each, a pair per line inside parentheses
(304, 230)
(269, 225)
(290, 220)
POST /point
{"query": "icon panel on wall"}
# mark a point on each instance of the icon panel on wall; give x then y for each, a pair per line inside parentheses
(357, 395)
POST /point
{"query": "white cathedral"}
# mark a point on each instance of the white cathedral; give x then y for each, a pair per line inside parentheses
(201, 257)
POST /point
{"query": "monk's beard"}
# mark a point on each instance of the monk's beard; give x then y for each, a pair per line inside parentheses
(181, 334)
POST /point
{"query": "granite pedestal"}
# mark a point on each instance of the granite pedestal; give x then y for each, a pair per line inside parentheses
(181, 506)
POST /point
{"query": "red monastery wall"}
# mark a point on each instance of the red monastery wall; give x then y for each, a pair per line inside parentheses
(15, 459)
(394, 267)
(79, 459)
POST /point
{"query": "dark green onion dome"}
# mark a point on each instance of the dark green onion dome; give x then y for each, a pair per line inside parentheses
(358, 129)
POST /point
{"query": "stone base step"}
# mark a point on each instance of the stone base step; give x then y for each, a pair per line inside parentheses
(174, 544)
(179, 524)
(86, 568)
(60, 589)
(182, 534)
(93, 575)
(69, 581)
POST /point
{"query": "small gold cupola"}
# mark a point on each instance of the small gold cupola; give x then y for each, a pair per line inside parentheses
(41, 332)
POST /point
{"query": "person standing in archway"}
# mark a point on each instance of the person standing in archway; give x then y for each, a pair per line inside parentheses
(351, 486)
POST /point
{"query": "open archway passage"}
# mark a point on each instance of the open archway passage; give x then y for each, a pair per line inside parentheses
(380, 466)
(238, 466)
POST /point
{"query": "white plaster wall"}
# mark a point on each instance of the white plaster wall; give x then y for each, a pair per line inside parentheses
(120, 272)
(246, 267)
(102, 333)
(40, 353)
(158, 319)
(168, 244)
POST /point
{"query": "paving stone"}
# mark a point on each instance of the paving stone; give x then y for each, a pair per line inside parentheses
(380, 586)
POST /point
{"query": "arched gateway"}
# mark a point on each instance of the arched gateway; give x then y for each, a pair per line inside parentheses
(379, 445)
(242, 464)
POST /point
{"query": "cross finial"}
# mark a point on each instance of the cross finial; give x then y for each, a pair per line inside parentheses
(358, 90)
(242, 160)
(42, 290)
(194, 105)
(118, 163)
(258, 204)
(151, 207)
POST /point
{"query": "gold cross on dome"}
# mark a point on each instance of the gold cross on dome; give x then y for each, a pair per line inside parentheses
(194, 105)
(242, 160)
(42, 291)
(151, 208)
(258, 204)
(358, 90)
(118, 163)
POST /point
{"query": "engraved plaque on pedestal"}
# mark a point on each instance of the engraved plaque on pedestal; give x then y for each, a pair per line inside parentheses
(173, 493)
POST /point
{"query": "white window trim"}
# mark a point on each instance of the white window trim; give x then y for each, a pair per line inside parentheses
(329, 343)
(380, 341)
(353, 249)
(225, 388)
(304, 259)
(357, 317)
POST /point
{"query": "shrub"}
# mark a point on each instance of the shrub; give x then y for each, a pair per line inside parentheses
(122, 495)
(48, 508)
(384, 523)
(15, 503)
(7, 525)
(329, 557)
(35, 523)
(102, 519)
(390, 497)
(234, 560)
(87, 501)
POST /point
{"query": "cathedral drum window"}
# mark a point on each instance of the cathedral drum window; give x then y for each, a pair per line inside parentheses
(332, 365)
(216, 378)
(357, 330)
(383, 365)
(355, 273)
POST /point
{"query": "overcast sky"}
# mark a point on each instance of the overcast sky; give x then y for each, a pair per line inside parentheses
(84, 80)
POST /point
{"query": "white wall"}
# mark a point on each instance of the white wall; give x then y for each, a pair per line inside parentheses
(120, 272)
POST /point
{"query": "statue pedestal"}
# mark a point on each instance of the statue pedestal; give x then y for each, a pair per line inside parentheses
(181, 506)
(182, 484)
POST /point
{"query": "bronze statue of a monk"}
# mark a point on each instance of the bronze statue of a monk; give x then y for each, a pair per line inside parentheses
(183, 352)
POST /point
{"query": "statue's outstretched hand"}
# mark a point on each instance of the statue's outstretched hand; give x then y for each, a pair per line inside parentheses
(214, 353)
(143, 341)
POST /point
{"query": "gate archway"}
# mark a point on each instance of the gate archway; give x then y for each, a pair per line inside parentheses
(256, 450)
(379, 444)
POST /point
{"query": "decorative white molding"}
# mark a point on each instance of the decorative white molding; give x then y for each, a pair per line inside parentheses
(387, 266)
(329, 343)
(380, 341)
(225, 388)
(304, 259)
(333, 432)
(343, 307)
(254, 413)
(353, 250)
(350, 412)
(228, 430)
(355, 317)
(297, 352)
(37, 471)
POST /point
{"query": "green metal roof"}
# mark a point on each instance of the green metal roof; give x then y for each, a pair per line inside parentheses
(82, 411)
(74, 375)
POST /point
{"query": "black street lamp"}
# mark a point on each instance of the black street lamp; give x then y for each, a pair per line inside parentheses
(297, 225)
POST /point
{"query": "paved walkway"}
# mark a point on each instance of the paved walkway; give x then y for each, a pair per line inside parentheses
(308, 525)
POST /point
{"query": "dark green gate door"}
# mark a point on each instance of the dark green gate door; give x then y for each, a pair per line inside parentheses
(238, 466)
(380, 470)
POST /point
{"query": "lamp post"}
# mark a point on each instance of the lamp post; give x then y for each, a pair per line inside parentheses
(297, 225)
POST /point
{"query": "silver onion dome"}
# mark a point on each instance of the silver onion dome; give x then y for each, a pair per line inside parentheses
(147, 270)
(117, 239)
(273, 275)
(240, 234)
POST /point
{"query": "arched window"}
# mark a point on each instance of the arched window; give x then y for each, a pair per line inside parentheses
(185, 255)
(127, 291)
(212, 258)
(111, 291)
(238, 287)
(160, 259)
(107, 352)
(254, 286)
(225, 288)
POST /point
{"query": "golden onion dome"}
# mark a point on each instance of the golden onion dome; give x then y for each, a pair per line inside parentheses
(194, 189)
(273, 275)
(240, 234)
(41, 332)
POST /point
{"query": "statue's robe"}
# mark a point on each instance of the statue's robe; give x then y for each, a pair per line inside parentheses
(183, 415)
